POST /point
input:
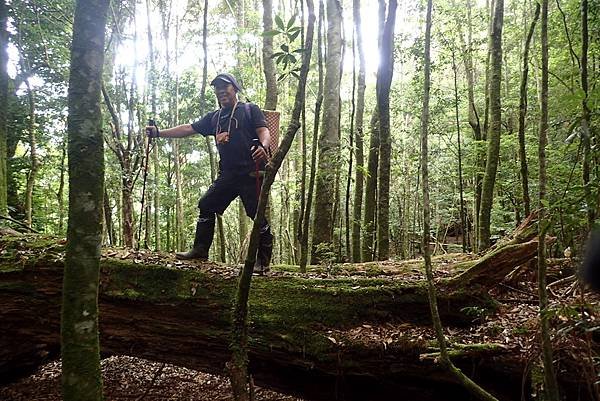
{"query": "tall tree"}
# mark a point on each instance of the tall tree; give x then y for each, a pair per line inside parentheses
(550, 383)
(495, 126)
(463, 224)
(3, 106)
(329, 142)
(369, 218)
(585, 117)
(81, 379)
(384, 82)
(239, 345)
(34, 164)
(358, 127)
(153, 110)
(474, 113)
(125, 144)
(313, 159)
(523, 114)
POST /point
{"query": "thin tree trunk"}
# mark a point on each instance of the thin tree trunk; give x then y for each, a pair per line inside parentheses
(3, 108)
(495, 127)
(431, 290)
(268, 63)
(313, 159)
(239, 345)
(81, 376)
(550, 384)
(463, 224)
(108, 225)
(351, 161)
(61, 188)
(33, 158)
(585, 118)
(474, 120)
(153, 112)
(358, 127)
(369, 222)
(329, 144)
(180, 243)
(384, 82)
(488, 66)
(127, 209)
(523, 114)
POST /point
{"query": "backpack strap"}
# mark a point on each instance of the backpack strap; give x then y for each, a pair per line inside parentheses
(248, 113)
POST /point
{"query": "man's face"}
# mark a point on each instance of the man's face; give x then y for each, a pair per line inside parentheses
(225, 92)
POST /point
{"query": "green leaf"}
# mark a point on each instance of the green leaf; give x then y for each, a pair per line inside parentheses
(296, 75)
(281, 77)
(291, 21)
(285, 48)
(270, 34)
(293, 36)
(279, 23)
(277, 54)
(301, 50)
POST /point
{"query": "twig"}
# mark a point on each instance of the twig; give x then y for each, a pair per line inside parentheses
(19, 223)
(561, 281)
(520, 301)
(516, 289)
(156, 376)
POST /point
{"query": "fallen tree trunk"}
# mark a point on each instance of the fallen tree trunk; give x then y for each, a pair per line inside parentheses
(182, 316)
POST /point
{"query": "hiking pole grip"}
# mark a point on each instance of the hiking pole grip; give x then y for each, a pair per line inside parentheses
(152, 123)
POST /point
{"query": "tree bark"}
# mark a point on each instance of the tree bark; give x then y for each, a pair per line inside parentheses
(3, 108)
(550, 383)
(384, 82)
(81, 378)
(358, 126)
(495, 127)
(523, 113)
(369, 222)
(61, 187)
(268, 63)
(329, 142)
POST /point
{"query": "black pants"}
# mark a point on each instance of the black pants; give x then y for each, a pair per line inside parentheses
(221, 193)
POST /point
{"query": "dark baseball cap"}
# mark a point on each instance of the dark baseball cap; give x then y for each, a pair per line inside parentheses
(228, 78)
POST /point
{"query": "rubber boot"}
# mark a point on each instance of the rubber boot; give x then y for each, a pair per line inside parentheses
(264, 252)
(205, 229)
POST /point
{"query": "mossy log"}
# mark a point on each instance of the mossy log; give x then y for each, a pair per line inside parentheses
(152, 308)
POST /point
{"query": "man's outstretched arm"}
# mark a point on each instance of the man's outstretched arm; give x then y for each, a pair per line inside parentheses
(179, 131)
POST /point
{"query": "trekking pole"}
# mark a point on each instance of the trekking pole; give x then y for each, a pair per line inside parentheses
(151, 123)
(257, 172)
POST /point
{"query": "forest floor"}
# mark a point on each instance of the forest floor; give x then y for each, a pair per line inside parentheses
(134, 379)
(513, 329)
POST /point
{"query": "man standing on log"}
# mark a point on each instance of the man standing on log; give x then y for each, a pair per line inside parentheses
(242, 138)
